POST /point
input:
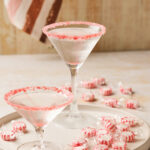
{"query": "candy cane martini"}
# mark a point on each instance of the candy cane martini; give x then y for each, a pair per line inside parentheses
(74, 42)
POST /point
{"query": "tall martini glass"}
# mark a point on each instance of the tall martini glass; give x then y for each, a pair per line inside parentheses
(74, 42)
(39, 105)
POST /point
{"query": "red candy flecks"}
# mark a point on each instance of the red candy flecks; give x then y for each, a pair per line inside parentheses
(88, 132)
(107, 91)
(132, 104)
(101, 132)
(128, 136)
(88, 84)
(19, 126)
(69, 88)
(8, 135)
(119, 145)
(101, 147)
(108, 119)
(104, 139)
(111, 102)
(88, 97)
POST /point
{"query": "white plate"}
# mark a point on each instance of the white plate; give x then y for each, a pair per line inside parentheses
(65, 136)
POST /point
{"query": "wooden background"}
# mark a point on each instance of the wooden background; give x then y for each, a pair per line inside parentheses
(127, 23)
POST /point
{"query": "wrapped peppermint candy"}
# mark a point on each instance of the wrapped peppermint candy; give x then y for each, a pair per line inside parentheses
(110, 126)
(104, 139)
(131, 121)
(122, 127)
(19, 126)
(101, 132)
(108, 119)
(128, 136)
(132, 104)
(111, 102)
(125, 90)
(8, 135)
(88, 132)
(88, 84)
(106, 91)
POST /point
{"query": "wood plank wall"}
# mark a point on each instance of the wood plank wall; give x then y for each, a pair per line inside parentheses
(127, 23)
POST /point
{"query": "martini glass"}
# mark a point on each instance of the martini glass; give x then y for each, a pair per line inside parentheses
(74, 42)
(39, 105)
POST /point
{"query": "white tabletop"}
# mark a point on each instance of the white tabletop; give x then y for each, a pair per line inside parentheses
(132, 68)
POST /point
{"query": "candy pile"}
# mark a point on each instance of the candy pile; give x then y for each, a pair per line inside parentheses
(97, 89)
(111, 134)
(11, 133)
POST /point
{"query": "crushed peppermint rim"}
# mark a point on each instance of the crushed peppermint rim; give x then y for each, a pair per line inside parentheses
(63, 36)
(8, 96)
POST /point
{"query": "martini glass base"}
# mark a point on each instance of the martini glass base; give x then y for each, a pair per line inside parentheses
(35, 146)
(75, 121)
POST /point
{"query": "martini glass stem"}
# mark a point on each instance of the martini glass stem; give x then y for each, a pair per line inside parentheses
(74, 107)
(40, 132)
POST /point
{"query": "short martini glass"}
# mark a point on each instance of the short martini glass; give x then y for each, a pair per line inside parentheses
(74, 41)
(39, 105)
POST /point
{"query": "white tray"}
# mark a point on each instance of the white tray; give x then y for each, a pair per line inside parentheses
(65, 136)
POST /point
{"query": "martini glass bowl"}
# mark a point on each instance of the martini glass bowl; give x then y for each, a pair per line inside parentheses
(74, 41)
(39, 105)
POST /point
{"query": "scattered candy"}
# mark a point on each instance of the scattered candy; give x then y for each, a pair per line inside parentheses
(107, 91)
(131, 121)
(119, 146)
(19, 126)
(99, 81)
(88, 97)
(101, 147)
(128, 136)
(112, 102)
(88, 84)
(88, 132)
(104, 139)
(132, 104)
(122, 127)
(125, 90)
(8, 135)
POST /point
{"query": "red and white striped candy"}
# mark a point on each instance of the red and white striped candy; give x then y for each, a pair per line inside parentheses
(107, 91)
(101, 132)
(8, 135)
(88, 97)
(128, 136)
(82, 147)
(119, 146)
(88, 132)
(110, 126)
(88, 84)
(19, 126)
(132, 104)
(104, 139)
(101, 147)
(129, 121)
(99, 81)
(112, 102)
(126, 91)
(122, 127)
(78, 142)
(108, 119)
